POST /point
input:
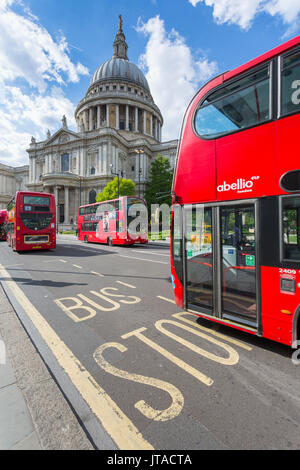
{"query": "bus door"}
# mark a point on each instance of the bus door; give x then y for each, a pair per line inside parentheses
(220, 261)
(238, 263)
(199, 269)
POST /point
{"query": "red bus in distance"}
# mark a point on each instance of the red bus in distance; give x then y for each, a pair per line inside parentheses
(235, 251)
(31, 223)
(3, 220)
(110, 221)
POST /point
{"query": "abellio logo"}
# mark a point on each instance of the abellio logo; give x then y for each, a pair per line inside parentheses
(241, 185)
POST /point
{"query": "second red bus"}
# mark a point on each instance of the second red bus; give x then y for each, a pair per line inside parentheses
(110, 222)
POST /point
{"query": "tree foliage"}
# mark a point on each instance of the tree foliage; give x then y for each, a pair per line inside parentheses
(126, 188)
(160, 181)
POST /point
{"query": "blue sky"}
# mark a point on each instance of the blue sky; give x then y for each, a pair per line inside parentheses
(49, 49)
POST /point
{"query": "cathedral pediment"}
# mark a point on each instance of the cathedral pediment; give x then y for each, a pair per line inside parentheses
(62, 136)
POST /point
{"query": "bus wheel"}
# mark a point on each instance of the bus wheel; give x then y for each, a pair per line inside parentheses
(86, 240)
(109, 241)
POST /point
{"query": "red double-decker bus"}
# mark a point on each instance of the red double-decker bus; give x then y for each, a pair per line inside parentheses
(31, 223)
(3, 219)
(113, 222)
(235, 251)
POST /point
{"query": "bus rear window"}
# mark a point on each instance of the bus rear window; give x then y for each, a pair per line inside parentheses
(241, 104)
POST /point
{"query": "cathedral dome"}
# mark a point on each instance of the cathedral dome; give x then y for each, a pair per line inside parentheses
(122, 69)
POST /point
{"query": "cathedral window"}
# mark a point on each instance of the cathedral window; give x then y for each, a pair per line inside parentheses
(65, 165)
(92, 196)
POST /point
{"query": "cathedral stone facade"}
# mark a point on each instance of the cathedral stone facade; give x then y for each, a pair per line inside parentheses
(118, 133)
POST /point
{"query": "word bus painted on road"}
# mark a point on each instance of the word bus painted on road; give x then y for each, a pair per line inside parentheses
(3, 220)
(31, 221)
(235, 251)
(113, 222)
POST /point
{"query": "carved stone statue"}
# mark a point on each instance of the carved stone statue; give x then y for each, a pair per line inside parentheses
(33, 141)
(64, 122)
(48, 134)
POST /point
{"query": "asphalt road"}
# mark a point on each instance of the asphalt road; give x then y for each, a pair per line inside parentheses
(139, 372)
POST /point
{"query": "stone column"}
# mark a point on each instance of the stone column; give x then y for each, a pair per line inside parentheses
(66, 221)
(151, 124)
(144, 121)
(117, 116)
(136, 120)
(33, 170)
(98, 117)
(56, 202)
(91, 119)
(127, 118)
(85, 120)
(107, 115)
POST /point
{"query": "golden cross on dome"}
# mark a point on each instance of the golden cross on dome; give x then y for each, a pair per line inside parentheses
(120, 23)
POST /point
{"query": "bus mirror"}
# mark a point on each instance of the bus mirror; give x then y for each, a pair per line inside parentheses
(290, 181)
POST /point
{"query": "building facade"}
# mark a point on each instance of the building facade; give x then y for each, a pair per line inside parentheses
(118, 133)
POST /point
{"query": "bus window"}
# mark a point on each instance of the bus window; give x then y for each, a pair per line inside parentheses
(118, 205)
(290, 83)
(291, 228)
(199, 256)
(236, 106)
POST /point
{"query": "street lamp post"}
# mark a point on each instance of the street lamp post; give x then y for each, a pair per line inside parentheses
(139, 152)
(118, 175)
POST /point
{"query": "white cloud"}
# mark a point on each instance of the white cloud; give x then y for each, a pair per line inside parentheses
(173, 73)
(29, 53)
(243, 12)
(22, 116)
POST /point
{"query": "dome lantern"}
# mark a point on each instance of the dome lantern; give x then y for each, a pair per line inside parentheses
(120, 45)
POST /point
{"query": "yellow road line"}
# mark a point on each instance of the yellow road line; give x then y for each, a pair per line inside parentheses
(118, 426)
(165, 298)
(97, 274)
(76, 266)
(126, 285)
(62, 261)
(211, 331)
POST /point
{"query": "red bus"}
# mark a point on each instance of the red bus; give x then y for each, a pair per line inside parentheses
(235, 252)
(112, 222)
(3, 219)
(31, 221)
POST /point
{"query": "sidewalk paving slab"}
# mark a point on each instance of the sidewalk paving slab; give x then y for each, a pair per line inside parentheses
(34, 414)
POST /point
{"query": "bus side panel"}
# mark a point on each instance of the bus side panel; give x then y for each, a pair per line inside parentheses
(195, 175)
(243, 164)
(277, 322)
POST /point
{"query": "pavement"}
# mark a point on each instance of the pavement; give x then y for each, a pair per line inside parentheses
(34, 414)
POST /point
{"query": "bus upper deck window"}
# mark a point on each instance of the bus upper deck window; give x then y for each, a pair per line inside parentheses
(290, 83)
(237, 105)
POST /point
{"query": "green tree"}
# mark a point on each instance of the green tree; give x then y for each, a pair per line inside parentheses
(126, 188)
(160, 181)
